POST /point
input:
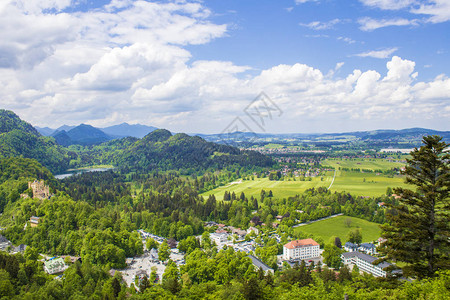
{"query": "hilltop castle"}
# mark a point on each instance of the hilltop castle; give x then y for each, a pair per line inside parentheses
(40, 190)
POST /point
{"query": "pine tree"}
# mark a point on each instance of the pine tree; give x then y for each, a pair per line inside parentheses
(418, 229)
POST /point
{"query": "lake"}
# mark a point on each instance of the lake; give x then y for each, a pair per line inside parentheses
(75, 172)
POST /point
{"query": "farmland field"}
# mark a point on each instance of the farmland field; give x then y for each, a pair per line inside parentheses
(336, 227)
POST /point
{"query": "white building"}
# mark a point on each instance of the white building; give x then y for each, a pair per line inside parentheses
(219, 238)
(364, 263)
(301, 249)
(54, 266)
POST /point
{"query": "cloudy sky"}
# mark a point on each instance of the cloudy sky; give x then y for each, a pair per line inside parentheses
(197, 66)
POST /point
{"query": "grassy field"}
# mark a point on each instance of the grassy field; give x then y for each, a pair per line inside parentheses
(364, 184)
(280, 189)
(336, 227)
(361, 184)
(372, 164)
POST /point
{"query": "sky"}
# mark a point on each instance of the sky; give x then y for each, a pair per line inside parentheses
(284, 66)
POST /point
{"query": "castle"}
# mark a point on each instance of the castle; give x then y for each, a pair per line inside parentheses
(40, 190)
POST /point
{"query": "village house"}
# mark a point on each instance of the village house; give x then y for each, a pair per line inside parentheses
(4, 243)
(367, 248)
(34, 221)
(301, 249)
(350, 247)
(254, 229)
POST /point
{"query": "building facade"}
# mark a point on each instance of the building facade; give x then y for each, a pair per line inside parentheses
(364, 263)
(301, 249)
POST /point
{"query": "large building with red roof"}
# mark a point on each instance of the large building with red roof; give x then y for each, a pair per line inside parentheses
(301, 249)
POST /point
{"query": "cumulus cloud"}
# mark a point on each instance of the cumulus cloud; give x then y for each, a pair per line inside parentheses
(385, 53)
(128, 62)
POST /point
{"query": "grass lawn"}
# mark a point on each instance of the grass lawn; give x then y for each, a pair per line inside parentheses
(336, 227)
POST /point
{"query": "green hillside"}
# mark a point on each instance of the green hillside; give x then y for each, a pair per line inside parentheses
(19, 139)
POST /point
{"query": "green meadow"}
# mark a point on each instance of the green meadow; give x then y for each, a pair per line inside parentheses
(364, 184)
(364, 163)
(280, 189)
(336, 227)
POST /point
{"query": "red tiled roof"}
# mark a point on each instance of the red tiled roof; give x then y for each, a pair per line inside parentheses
(301, 243)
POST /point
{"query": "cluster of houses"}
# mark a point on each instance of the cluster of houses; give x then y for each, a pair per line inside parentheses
(7, 246)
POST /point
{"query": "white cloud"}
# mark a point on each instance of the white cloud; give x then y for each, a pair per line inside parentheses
(399, 69)
(298, 2)
(438, 10)
(369, 24)
(346, 39)
(385, 53)
(388, 4)
(318, 25)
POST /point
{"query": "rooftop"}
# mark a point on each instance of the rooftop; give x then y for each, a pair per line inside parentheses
(259, 264)
(365, 257)
(350, 245)
(301, 243)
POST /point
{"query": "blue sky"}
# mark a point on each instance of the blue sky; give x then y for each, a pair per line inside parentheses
(194, 66)
(281, 32)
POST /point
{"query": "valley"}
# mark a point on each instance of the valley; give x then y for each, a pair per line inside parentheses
(157, 212)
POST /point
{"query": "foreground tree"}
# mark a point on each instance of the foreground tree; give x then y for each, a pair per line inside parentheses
(418, 229)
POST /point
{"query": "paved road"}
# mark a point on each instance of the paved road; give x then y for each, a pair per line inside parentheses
(332, 181)
(310, 222)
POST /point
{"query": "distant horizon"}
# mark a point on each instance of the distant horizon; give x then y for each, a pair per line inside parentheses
(258, 133)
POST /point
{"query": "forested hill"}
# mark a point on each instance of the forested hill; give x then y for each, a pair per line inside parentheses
(157, 150)
(19, 138)
(9, 121)
(160, 149)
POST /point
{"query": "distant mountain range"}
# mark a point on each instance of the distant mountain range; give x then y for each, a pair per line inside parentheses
(81, 135)
(88, 135)
(404, 135)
